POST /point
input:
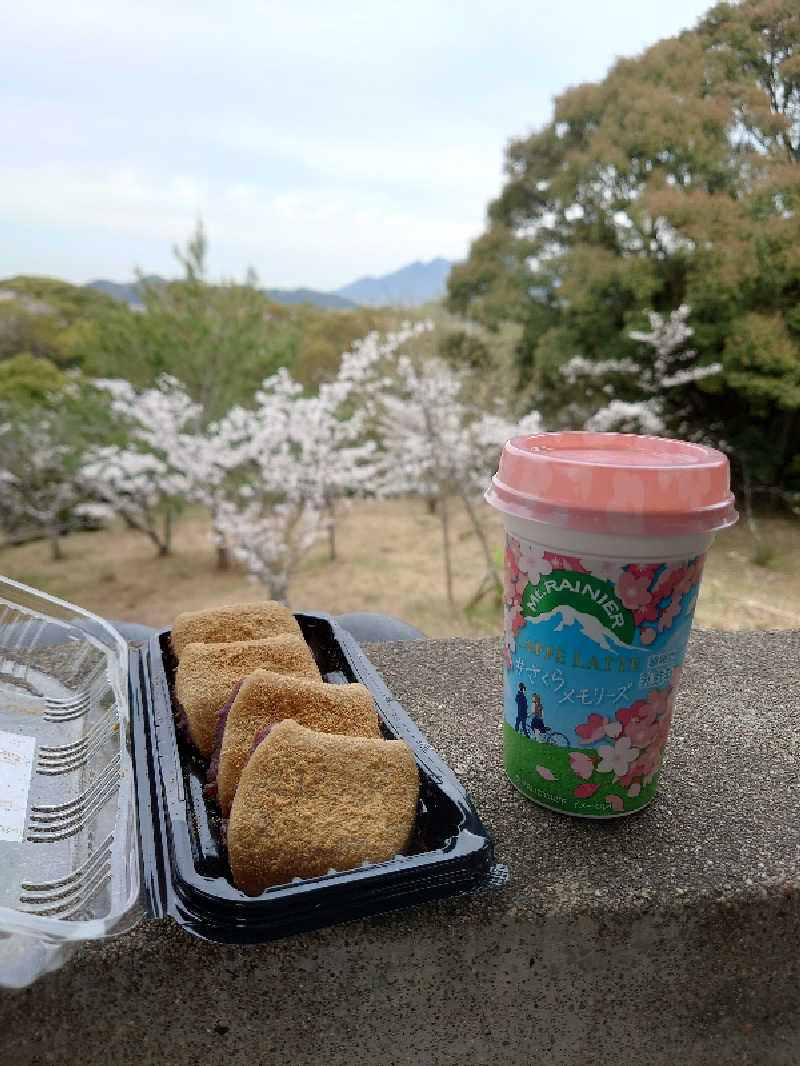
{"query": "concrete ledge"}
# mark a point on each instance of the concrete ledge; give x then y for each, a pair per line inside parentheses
(667, 937)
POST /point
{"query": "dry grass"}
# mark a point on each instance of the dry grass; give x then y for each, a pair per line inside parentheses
(389, 561)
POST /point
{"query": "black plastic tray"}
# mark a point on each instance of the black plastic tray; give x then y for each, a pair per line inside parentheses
(185, 869)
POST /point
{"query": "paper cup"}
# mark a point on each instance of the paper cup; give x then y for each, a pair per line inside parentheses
(606, 535)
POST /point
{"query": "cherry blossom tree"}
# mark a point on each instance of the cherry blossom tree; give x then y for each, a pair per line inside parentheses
(291, 459)
(668, 366)
(272, 475)
(433, 438)
(146, 481)
(38, 487)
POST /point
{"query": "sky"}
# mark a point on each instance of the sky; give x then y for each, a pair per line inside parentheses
(318, 141)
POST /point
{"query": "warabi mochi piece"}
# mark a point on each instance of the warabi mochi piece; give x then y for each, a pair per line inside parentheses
(308, 802)
(206, 674)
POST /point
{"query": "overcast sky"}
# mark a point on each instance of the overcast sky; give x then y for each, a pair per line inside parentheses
(319, 141)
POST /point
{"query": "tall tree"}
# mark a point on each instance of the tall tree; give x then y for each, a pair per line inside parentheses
(219, 340)
(673, 181)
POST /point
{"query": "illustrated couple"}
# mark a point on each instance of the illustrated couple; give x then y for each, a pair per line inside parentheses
(536, 725)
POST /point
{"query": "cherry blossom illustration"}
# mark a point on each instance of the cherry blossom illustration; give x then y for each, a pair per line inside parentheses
(597, 726)
(633, 589)
(565, 562)
(585, 790)
(534, 563)
(617, 758)
(640, 734)
(581, 764)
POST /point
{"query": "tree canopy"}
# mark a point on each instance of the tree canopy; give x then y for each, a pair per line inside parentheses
(45, 318)
(675, 180)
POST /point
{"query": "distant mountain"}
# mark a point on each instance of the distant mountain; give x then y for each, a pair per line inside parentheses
(409, 286)
(330, 300)
(128, 292)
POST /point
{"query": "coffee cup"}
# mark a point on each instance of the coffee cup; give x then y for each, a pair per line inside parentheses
(605, 539)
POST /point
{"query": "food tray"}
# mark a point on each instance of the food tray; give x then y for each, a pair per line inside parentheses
(103, 816)
(185, 870)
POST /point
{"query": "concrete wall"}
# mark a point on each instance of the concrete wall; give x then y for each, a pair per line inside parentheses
(668, 937)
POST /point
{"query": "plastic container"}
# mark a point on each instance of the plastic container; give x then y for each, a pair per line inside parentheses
(103, 819)
(69, 863)
(606, 534)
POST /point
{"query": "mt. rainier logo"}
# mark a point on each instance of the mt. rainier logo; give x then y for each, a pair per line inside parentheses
(584, 592)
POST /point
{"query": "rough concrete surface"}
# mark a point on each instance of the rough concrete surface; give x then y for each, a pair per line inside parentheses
(671, 936)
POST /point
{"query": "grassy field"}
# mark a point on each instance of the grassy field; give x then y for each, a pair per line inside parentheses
(389, 560)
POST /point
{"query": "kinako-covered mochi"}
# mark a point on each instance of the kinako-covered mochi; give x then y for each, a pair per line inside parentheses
(232, 621)
(309, 802)
(206, 674)
(265, 698)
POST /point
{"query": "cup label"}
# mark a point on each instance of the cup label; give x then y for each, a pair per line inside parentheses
(593, 656)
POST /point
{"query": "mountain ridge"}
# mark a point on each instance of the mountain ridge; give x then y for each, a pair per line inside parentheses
(411, 285)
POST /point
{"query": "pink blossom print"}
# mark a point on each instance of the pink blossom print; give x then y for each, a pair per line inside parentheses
(583, 791)
(511, 574)
(592, 729)
(565, 562)
(595, 727)
(653, 594)
(608, 569)
(646, 767)
(618, 758)
(614, 801)
(667, 581)
(581, 764)
(633, 590)
(534, 563)
(670, 613)
(543, 771)
(646, 721)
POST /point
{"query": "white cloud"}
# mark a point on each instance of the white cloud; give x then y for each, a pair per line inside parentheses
(320, 236)
(318, 141)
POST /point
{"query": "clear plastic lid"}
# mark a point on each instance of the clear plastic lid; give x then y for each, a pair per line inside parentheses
(69, 857)
(618, 483)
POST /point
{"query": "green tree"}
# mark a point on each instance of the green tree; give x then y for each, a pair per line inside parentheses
(26, 379)
(220, 340)
(48, 319)
(674, 180)
(324, 335)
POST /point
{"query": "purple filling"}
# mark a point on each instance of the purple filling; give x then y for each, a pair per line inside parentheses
(219, 730)
(258, 736)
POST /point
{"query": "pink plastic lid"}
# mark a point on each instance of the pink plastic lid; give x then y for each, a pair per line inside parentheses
(614, 483)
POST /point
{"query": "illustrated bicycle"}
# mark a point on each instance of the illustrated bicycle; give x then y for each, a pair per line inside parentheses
(552, 737)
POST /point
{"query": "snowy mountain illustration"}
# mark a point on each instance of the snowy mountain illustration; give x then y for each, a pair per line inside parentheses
(591, 627)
